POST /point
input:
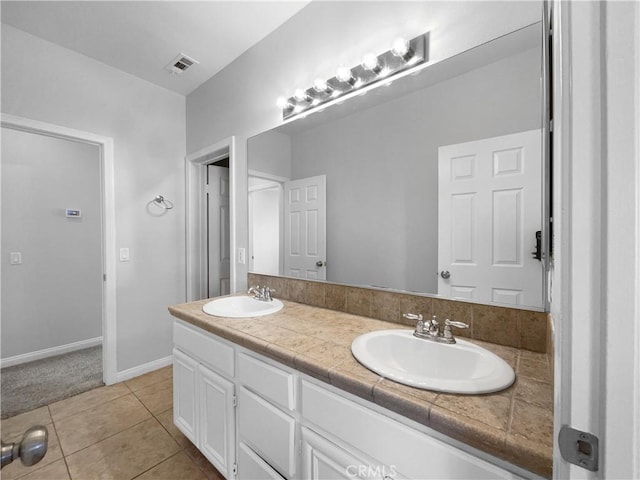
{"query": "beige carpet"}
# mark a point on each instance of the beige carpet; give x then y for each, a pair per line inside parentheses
(42, 382)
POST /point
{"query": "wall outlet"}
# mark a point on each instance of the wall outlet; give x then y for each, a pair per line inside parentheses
(15, 258)
(242, 256)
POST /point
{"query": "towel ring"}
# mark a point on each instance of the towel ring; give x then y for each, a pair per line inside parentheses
(166, 204)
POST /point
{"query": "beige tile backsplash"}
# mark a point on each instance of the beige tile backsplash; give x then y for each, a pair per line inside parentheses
(512, 327)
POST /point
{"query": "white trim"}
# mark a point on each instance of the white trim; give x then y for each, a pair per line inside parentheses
(621, 42)
(109, 224)
(195, 249)
(49, 352)
(133, 372)
(268, 176)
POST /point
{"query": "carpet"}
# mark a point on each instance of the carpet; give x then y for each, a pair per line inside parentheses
(42, 382)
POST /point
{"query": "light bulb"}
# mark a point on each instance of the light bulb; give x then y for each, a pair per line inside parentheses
(301, 95)
(319, 85)
(370, 62)
(344, 74)
(282, 102)
(400, 47)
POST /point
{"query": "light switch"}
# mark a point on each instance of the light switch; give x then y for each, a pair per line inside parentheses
(15, 258)
(124, 255)
(242, 257)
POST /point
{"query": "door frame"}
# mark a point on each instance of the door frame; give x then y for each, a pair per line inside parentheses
(195, 171)
(596, 267)
(280, 181)
(107, 200)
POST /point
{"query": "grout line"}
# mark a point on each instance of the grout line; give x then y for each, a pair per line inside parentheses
(55, 432)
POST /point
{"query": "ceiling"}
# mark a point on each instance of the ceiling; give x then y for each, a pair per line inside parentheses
(142, 37)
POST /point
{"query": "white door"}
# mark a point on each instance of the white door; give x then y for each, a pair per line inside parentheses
(218, 251)
(489, 213)
(305, 227)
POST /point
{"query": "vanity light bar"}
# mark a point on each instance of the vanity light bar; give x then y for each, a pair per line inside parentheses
(402, 56)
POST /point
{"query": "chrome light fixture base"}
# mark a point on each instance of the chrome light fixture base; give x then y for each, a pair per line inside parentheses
(389, 63)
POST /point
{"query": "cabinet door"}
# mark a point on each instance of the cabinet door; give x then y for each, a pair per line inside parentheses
(185, 371)
(217, 424)
(323, 460)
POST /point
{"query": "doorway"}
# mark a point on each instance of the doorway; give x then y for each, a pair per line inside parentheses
(217, 228)
(57, 247)
(210, 228)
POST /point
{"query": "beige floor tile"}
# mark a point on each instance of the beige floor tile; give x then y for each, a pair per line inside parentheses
(201, 461)
(124, 455)
(178, 467)
(150, 378)
(54, 471)
(90, 426)
(157, 397)
(13, 428)
(87, 400)
(166, 419)
(54, 453)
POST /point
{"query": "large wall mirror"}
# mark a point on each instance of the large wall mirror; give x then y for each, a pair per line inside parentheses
(433, 184)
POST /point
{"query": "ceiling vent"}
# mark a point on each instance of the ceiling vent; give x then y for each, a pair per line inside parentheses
(181, 63)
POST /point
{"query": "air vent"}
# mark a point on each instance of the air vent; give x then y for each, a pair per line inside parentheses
(180, 64)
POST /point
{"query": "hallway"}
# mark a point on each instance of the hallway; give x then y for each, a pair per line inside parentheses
(123, 431)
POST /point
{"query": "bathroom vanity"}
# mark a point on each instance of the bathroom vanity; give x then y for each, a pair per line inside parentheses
(281, 396)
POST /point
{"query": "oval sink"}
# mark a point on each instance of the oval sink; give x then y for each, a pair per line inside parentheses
(241, 307)
(454, 368)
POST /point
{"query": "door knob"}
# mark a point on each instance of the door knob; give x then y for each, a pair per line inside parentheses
(320, 263)
(445, 274)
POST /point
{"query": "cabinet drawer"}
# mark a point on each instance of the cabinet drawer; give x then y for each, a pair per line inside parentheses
(389, 441)
(268, 431)
(252, 467)
(205, 347)
(270, 382)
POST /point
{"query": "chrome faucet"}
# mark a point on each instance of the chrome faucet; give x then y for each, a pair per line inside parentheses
(264, 294)
(430, 330)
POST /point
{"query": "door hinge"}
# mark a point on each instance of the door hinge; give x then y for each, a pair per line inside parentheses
(234, 401)
(551, 125)
(104, 277)
(234, 470)
(579, 448)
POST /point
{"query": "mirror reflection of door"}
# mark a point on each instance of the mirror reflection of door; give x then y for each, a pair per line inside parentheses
(218, 242)
(265, 225)
(489, 212)
(305, 213)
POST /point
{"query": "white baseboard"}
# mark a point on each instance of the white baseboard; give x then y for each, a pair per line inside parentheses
(49, 352)
(144, 368)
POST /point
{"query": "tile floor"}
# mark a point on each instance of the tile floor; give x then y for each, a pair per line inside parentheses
(120, 432)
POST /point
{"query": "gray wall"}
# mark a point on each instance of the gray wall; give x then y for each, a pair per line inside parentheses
(270, 153)
(55, 296)
(45, 82)
(382, 168)
(240, 100)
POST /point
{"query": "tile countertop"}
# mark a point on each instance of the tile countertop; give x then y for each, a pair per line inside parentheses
(515, 424)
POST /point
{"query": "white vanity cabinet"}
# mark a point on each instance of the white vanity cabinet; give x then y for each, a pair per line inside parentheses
(287, 425)
(203, 399)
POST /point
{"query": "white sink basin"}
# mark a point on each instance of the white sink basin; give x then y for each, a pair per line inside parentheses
(241, 307)
(454, 368)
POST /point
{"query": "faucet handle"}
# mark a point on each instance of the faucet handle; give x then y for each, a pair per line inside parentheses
(412, 316)
(450, 323)
(447, 328)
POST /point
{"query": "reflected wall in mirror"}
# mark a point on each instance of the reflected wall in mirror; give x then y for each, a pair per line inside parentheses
(433, 184)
